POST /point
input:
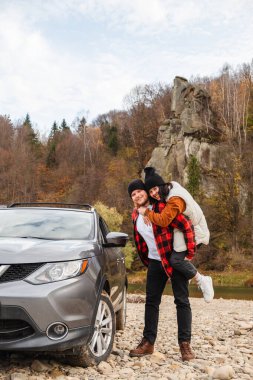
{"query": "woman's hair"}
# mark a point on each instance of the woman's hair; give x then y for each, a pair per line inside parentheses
(163, 192)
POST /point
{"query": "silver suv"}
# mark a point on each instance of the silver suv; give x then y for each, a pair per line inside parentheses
(62, 281)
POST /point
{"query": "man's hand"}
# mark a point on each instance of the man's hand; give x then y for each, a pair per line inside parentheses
(141, 210)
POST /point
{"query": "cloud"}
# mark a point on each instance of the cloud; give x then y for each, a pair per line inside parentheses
(159, 15)
(133, 43)
(136, 16)
(50, 83)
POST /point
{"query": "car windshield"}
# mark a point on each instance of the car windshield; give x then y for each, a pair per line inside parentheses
(46, 224)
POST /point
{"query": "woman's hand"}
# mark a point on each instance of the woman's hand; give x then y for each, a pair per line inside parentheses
(186, 259)
(135, 206)
(141, 210)
(146, 220)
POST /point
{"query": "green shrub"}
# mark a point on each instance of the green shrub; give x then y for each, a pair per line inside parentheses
(129, 252)
(111, 216)
(114, 221)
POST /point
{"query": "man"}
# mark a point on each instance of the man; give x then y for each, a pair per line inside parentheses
(154, 246)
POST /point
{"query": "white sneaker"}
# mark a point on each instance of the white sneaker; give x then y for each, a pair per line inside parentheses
(205, 283)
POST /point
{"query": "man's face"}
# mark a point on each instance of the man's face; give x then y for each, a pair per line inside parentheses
(140, 198)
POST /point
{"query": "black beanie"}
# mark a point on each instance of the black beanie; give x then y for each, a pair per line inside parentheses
(136, 184)
(152, 179)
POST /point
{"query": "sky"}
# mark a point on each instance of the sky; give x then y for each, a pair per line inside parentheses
(74, 58)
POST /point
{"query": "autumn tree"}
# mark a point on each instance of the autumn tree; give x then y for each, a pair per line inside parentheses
(230, 93)
(146, 109)
(27, 153)
(6, 157)
(227, 212)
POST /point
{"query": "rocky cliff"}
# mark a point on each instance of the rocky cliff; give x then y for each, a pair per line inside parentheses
(192, 129)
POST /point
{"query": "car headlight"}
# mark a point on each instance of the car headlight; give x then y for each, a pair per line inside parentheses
(57, 271)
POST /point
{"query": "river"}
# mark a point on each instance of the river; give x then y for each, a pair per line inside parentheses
(226, 292)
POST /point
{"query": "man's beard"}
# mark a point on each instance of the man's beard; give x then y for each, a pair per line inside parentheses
(143, 203)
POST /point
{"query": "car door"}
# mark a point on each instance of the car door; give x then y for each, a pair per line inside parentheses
(115, 265)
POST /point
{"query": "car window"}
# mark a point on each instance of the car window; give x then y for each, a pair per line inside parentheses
(46, 224)
(103, 228)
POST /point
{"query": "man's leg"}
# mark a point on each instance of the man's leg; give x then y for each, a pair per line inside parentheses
(184, 315)
(156, 281)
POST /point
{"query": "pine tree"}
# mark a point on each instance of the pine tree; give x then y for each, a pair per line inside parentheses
(113, 140)
(54, 130)
(64, 126)
(51, 145)
(194, 176)
(32, 136)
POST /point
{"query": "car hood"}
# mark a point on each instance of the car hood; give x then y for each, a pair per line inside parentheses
(23, 250)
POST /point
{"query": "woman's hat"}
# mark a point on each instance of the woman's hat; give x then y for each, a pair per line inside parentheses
(152, 179)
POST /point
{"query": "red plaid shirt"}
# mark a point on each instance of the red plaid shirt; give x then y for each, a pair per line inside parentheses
(164, 238)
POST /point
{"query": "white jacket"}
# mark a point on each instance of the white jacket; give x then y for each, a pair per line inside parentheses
(194, 212)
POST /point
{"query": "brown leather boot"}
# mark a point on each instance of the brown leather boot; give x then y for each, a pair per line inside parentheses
(143, 348)
(186, 351)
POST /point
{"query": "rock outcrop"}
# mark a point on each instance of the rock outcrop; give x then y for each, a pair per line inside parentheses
(191, 130)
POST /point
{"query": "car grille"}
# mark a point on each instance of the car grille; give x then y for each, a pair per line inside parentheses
(14, 329)
(19, 271)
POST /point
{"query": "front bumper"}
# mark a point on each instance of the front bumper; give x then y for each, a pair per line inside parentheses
(27, 310)
(23, 334)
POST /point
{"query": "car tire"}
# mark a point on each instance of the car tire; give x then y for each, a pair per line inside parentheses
(121, 314)
(100, 345)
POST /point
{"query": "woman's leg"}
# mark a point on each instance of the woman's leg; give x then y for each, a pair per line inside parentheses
(178, 262)
(205, 283)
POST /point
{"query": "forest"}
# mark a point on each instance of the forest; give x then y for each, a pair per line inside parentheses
(94, 162)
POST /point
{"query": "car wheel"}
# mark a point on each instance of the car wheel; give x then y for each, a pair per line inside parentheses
(121, 314)
(100, 345)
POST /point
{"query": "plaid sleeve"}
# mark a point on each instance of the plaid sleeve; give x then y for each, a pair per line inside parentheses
(184, 224)
(140, 243)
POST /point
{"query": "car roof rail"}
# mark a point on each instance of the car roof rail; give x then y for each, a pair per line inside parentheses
(52, 204)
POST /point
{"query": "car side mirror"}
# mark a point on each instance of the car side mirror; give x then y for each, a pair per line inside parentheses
(116, 239)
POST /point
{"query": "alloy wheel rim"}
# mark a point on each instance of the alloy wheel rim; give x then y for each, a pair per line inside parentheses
(102, 330)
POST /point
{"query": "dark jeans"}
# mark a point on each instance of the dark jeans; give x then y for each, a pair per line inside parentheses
(178, 262)
(156, 281)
